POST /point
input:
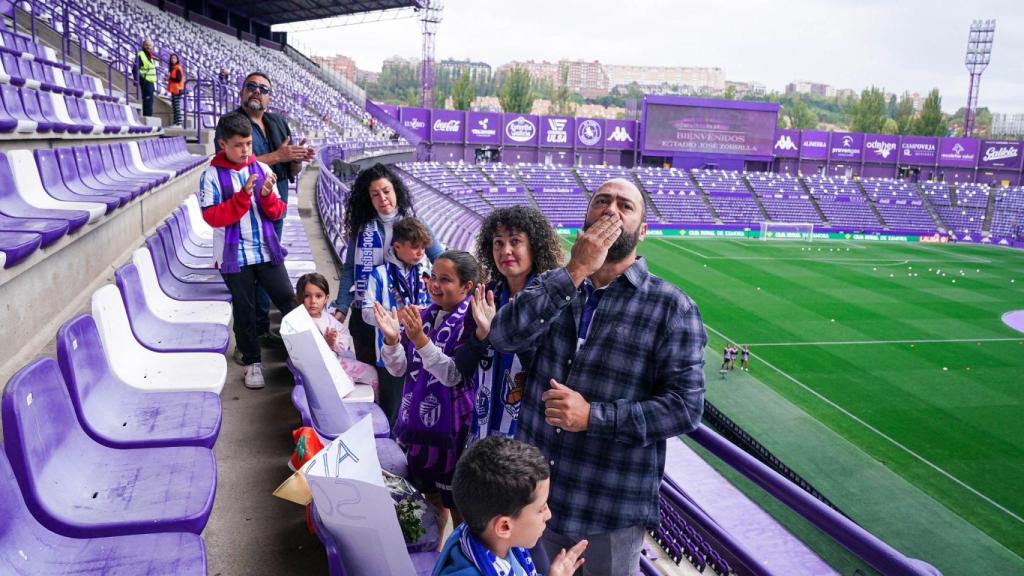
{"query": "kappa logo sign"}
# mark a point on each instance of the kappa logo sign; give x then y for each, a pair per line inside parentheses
(620, 134)
(785, 143)
(520, 130)
(556, 131)
(589, 132)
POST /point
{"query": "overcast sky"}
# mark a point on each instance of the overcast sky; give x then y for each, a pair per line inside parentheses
(899, 45)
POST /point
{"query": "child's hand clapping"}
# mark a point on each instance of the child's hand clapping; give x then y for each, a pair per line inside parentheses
(568, 561)
(247, 188)
(268, 184)
(413, 323)
(483, 311)
(388, 324)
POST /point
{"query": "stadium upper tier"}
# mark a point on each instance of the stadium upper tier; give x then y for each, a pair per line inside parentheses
(113, 30)
(713, 197)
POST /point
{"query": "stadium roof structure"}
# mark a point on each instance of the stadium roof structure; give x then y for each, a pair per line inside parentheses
(289, 11)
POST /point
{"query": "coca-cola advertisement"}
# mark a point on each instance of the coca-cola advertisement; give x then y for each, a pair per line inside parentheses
(447, 126)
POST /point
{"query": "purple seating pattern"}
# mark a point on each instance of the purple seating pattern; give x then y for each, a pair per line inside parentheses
(783, 198)
(842, 203)
(80, 488)
(28, 547)
(119, 416)
(107, 174)
(162, 336)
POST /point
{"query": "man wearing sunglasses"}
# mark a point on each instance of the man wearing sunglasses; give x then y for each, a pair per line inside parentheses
(271, 143)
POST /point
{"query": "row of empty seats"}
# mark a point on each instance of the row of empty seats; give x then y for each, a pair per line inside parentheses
(108, 465)
(46, 194)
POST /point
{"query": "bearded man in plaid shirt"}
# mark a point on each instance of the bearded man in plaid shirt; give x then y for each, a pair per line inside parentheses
(618, 368)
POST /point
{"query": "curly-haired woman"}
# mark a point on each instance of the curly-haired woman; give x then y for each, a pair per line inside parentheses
(514, 246)
(378, 199)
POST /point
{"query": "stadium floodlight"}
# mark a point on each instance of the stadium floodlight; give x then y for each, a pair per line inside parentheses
(787, 231)
(979, 53)
(429, 18)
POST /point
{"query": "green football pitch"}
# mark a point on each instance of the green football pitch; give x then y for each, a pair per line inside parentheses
(898, 349)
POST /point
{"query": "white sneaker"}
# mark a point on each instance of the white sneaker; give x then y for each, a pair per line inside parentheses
(254, 376)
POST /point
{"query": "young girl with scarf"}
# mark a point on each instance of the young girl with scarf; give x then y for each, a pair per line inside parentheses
(400, 281)
(437, 397)
(515, 245)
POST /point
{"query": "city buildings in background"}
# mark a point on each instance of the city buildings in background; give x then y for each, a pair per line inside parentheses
(1008, 124)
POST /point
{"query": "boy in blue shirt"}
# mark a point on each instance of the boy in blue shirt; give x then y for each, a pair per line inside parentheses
(501, 488)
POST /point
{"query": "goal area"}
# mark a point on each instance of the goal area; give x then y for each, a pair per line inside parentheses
(787, 231)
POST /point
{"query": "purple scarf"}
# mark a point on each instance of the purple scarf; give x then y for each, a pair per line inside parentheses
(434, 420)
(233, 232)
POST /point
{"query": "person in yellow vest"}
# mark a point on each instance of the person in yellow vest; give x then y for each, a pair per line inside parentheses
(175, 86)
(145, 74)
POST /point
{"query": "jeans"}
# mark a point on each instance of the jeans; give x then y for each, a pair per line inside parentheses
(176, 104)
(273, 279)
(615, 553)
(147, 89)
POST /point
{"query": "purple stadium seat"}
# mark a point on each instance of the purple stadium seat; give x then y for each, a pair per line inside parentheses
(49, 173)
(119, 416)
(329, 424)
(181, 271)
(105, 174)
(13, 205)
(121, 158)
(160, 335)
(80, 488)
(7, 122)
(16, 246)
(15, 110)
(116, 169)
(45, 103)
(300, 403)
(50, 230)
(30, 105)
(178, 223)
(27, 547)
(77, 159)
(422, 562)
(181, 289)
(194, 262)
(74, 112)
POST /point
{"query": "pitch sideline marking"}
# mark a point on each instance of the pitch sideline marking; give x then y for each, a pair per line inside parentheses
(859, 342)
(893, 441)
(852, 261)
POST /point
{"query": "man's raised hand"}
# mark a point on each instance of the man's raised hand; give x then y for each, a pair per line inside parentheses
(591, 247)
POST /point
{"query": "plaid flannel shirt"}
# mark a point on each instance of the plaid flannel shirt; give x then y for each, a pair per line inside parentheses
(642, 370)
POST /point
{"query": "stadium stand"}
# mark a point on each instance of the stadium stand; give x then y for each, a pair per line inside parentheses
(136, 384)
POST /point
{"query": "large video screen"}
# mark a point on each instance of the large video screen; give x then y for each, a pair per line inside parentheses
(674, 129)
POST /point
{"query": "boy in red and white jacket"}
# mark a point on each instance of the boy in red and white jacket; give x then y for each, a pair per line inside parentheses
(246, 248)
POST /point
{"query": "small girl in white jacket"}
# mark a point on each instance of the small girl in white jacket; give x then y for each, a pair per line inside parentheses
(313, 292)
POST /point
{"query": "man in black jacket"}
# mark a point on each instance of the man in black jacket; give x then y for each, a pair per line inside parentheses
(271, 143)
(271, 138)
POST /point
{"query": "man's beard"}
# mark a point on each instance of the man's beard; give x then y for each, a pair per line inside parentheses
(254, 105)
(623, 245)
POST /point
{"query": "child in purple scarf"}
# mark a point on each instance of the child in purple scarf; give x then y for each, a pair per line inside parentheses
(436, 356)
